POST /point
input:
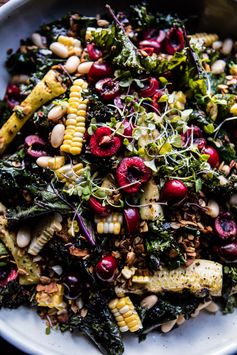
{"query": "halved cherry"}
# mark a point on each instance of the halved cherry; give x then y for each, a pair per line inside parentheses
(96, 206)
(150, 87)
(103, 143)
(174, 40)
(225, 226)
(107, 88)
(132, 218)
(99, 71)
(94, 53)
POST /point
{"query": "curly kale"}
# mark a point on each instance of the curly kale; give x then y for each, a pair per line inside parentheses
(98, 325)
(169, 307)
(14, 295)
(159, 243)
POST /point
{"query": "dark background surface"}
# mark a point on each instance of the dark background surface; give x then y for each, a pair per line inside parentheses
(7, 349)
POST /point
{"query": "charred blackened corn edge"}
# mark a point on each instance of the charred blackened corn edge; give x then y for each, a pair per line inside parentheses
(69, 174)
(76, 119)
(43, 232)
(110, 224)
(125, 314)
(207, 38)
(201, 274)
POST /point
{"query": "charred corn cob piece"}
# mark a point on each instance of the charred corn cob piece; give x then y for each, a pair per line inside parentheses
(125, 314)
(48, 88)
(69, 174)
(29, 271)
(43, 232)
(207, 38)
(200, 275)
(76, 119)
(110, 224)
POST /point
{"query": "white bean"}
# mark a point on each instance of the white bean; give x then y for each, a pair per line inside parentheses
(233, 200)
(71, 64)
(59, 49)
(23, 237)
(84, 68)
(217, 45)
(167, 327)
(227, 46)
(43, 162)
(57, 112)
(212, 307)
(218, 66)
(19, 79)
(37, 40)
(213, 209)
(57, 135)
(223, 181)
(149, 301)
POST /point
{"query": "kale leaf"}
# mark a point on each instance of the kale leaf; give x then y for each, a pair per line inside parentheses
(98, 325)
(14, 295)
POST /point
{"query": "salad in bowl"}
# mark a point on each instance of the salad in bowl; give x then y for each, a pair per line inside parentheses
(118, 175)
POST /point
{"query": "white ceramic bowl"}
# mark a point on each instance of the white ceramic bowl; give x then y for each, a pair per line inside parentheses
(207, 334)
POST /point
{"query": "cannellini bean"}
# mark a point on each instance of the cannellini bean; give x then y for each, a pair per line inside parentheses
(217, 45)
(233, 200)
(225, 169)
(199, 308)
(149, 301)
(37, 39)
(102, 23)
(83, 68)
(19, 79)
(71, 64)
(213, 209)
(227, 46)
(223, 181)
(180, 319)
(59, 49)
(57, 112)
(167, 327)
(218, 66)
(57, 135)
(23, 237)
(212, 307)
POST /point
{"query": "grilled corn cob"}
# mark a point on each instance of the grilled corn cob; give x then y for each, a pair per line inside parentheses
(69, 174)
(125, 314)
(110, 224)
(207, 38)
(48, 88)
(76, 118)
(43, 232)
(202, 274)
(150, 209)
(29, 272)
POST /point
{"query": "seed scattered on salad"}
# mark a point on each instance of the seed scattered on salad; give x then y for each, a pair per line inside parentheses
(118, 174)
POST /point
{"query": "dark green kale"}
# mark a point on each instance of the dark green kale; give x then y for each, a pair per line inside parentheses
(44, 202)
(98, 110)
(225, 147)
(5, 112)
(168, 308)
(98, 325)
(141, 18)
(4, 255)
(160, 242)
(14, 295)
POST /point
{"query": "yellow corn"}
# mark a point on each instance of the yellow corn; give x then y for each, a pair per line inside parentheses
(201, 274)
(43, 232)
(76, 118)
(207, 38)
(140, 279)
(51, 300)
(69, 174)
(233, 109)
(125, 314)
(73, 45)
(51, 162)
(110, 224)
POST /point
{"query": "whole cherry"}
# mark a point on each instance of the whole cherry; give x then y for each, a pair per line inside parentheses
(106, 267)
(174, 191)
(213, 159)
